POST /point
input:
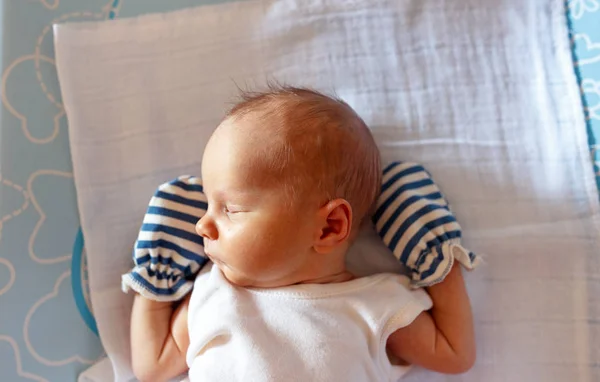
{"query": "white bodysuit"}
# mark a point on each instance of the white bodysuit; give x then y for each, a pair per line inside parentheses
(308, 333)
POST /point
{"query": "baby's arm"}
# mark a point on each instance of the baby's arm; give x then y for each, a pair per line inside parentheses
(159, 338)
(441, 339)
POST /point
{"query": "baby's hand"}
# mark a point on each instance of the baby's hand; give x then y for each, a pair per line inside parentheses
(168, 252)
(415, 223)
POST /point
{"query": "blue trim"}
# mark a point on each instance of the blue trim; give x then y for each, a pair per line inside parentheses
(588, 122)
(78, 296)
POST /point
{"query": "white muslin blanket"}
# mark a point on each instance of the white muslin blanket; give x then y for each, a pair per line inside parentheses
(482, 93)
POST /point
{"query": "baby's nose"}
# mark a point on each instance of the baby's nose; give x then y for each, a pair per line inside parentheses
(206, 228)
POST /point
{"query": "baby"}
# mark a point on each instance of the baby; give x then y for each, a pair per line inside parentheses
(290, 176)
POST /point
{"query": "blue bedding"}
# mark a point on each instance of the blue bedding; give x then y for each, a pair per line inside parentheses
(47, 328)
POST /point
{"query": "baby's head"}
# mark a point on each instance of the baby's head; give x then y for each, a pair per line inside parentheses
(290, 175)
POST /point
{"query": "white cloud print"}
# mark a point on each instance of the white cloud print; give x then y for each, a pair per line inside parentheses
(30, 90)
(579, 7)
(32, 108)
(53, 318)
(50, 4)
(11, 365)
(57, 218)
(591, 88)
(586, 50)
(7, 280)
(11, 193)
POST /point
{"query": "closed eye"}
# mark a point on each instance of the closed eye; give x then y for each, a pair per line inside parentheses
(231, 210)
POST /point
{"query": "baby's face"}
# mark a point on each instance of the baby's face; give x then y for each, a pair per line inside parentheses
(250, 230)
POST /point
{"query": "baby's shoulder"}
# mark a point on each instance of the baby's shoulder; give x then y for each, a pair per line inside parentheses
(392, 294)
(393, 283)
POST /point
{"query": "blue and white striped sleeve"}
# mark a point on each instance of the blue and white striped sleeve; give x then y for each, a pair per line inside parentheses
(168, 252)
(415, 222)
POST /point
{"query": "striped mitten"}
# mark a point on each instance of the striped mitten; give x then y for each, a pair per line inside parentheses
(168, 253)
(414, 221)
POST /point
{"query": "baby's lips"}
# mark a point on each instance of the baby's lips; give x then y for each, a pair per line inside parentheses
(211, 257)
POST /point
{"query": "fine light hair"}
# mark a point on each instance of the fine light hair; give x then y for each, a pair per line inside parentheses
(317, 147)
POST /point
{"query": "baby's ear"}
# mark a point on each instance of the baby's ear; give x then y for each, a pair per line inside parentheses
(334, 225)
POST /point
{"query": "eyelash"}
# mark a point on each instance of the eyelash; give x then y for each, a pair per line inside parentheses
(228, 211)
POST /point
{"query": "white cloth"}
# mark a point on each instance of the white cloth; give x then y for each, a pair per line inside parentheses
(320, 333)
(483, 94)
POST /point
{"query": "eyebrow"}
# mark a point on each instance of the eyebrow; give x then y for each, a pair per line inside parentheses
(242, 193)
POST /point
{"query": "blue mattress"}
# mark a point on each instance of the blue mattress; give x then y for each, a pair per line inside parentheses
(47, 329)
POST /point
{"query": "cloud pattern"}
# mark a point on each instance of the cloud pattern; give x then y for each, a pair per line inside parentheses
(591, 89)
(49, 333)
(39, 199)
(586, 49)
(55, 219)
(11, 364)
(45, 326)
(578, 8)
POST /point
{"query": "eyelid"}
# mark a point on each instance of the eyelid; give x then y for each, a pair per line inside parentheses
(231, 208)
(225, 207)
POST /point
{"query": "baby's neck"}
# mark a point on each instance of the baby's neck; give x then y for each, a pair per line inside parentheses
(326, 270)
(331, 279)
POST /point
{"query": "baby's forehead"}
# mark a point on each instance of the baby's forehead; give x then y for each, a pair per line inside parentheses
(260, 152)
(301, 125)
(304, 141)
(303, 128)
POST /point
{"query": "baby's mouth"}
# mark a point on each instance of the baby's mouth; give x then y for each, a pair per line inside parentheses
(207, 251)
(212, 258)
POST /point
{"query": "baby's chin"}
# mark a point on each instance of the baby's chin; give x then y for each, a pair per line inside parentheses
(243, 281)
(234, 277)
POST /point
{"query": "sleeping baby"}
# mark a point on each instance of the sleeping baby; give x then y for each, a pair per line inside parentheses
(288, 179)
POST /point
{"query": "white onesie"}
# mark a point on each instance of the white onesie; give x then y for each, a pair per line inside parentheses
(308, 332)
